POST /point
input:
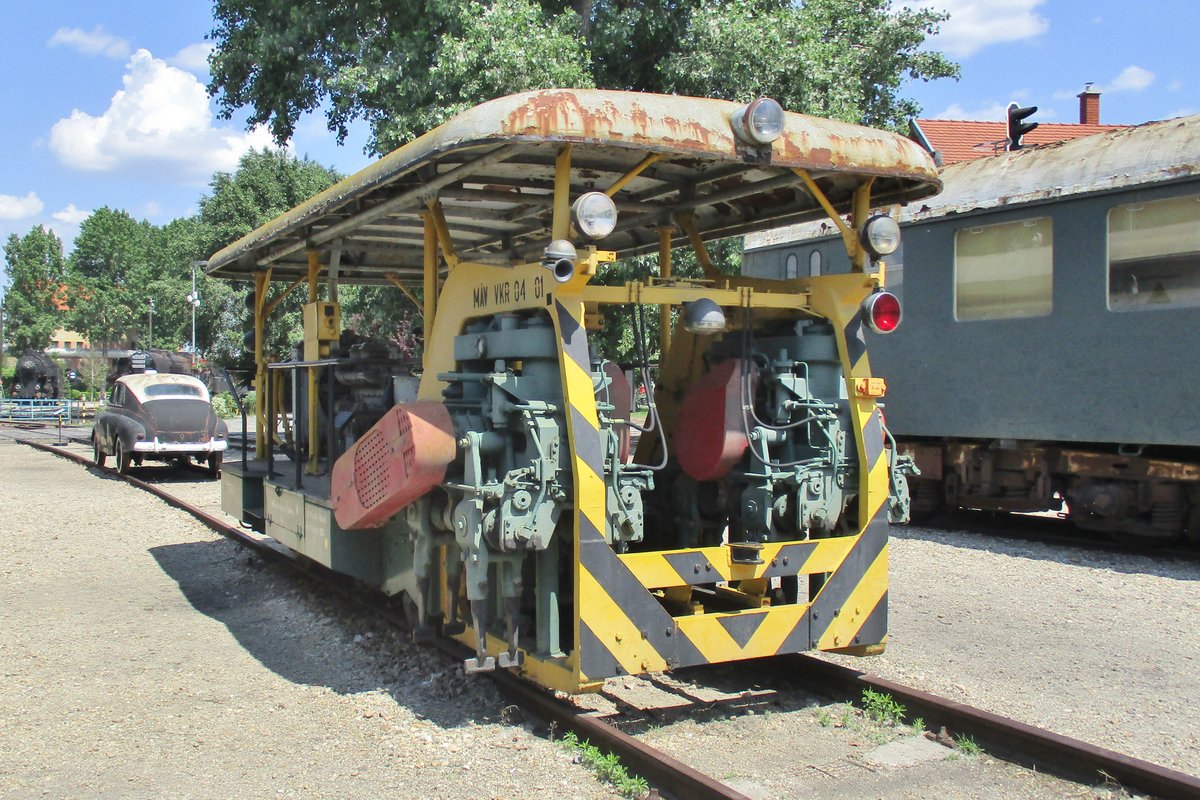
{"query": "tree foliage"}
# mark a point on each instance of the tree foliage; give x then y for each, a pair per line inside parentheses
(36, 270)
(404, 66)
(109, 269)
(266, 184)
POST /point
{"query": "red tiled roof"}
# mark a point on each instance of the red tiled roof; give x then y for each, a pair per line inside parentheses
(965, 140)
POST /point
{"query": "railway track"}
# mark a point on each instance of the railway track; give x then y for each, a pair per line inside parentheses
(1002, 737)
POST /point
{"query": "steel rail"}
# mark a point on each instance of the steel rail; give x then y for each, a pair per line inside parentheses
(1007, 738)
(668, 774)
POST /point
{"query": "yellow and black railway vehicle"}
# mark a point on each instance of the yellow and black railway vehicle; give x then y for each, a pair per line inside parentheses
(496, 491)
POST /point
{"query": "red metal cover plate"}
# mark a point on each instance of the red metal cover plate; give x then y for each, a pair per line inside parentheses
(402, 457)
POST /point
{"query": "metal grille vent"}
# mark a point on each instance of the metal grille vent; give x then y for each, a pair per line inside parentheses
(371, 473)
(408, 445)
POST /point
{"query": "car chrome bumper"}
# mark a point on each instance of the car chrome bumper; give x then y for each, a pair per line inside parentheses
(156, 446)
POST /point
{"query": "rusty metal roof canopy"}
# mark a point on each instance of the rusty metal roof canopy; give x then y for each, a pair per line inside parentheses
(492, 169)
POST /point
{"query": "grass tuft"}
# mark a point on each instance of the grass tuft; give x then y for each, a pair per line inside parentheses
(607, 767)
(967, 745)
(882, 707)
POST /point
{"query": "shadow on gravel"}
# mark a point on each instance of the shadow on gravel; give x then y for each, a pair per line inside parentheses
(307, 635)
(708, 693)
(1131, 561)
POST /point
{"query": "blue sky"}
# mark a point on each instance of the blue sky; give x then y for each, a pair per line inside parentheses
(104, 101)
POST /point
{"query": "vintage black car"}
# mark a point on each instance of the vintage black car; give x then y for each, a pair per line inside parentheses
(161, 418)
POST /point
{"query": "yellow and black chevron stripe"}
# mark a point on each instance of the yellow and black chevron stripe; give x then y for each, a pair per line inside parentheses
(622, 628)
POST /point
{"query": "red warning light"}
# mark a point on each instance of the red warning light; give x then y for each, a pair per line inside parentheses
(882, 312)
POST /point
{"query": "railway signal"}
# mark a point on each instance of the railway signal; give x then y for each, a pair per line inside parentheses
(1016, 126)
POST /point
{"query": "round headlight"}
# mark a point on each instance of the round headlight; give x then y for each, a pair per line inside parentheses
(881, 235)
(760, 122)
(703, 317)
(594, 215)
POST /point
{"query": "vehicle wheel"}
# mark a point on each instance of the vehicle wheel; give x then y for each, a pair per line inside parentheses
(123, 459)
(214, 465)
(98, 454)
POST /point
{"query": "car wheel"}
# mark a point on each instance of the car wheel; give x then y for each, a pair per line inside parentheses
(214, 465)
(123, 459)
(98, 454)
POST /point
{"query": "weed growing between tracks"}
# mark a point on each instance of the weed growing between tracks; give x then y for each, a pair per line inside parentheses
(882, 708)
(607, 766)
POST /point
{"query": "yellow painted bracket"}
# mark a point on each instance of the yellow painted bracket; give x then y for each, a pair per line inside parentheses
(443, 233)
(395, 279)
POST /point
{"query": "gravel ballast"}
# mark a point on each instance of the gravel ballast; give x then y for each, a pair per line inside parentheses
(144, 656)
(1093, 645)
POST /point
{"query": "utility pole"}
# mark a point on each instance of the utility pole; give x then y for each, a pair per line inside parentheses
(194, 301)
(150, 305)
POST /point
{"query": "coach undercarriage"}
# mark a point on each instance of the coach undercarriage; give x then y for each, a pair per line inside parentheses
(1098, 488)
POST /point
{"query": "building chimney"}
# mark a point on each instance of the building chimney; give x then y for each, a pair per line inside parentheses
(1089, 106)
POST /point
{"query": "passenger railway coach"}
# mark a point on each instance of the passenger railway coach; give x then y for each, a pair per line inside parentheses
(1049, 348)
(496, 491)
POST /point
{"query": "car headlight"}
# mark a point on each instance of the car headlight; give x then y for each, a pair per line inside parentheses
(758, 123)
(594, 215)
(881, 235)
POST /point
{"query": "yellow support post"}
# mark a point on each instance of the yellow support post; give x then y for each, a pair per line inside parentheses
(560, 227)
(862, 210)
(262, 281)
(664, 272)
(431, 279)
(314, 441)
(443, 233)
(688, 223)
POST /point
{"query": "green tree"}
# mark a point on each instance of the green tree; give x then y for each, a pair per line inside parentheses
(406, 65)
(109, 270)
(36, 271)
(266, 184)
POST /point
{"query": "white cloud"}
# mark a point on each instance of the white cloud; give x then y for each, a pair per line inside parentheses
(160, 124)
(71, 215)
(1176, 85)
(1132, 79)
(13, 207)
(193, 58)
(975, 24)
(996, 112)
(97, 41)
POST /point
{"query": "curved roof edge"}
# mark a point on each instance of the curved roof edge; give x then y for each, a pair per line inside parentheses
(677, 126)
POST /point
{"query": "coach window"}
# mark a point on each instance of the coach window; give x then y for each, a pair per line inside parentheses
(791, 267)
(1004, 270)
(1154, 255)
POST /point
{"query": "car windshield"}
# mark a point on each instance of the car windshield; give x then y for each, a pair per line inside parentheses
(173, 389)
